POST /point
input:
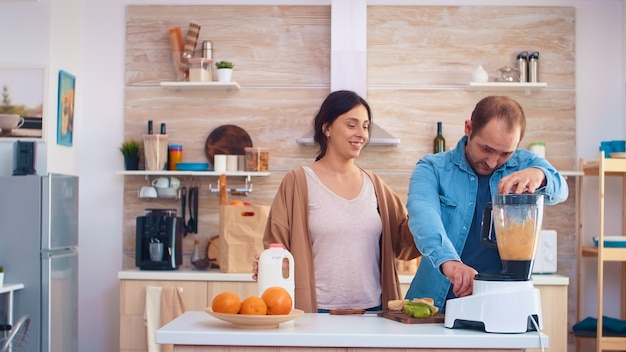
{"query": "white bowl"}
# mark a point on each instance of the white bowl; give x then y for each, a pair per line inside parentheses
(170, 192)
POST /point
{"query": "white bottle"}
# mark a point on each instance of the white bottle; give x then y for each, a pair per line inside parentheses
(271, 270)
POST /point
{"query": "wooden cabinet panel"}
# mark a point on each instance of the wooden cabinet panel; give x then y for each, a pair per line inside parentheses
(133, 302)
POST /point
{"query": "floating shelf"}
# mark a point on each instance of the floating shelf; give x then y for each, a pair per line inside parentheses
(191, 173)
(178, 86)
(507, 86)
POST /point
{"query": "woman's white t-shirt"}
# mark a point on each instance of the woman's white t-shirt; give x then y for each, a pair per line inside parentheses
(345, 236)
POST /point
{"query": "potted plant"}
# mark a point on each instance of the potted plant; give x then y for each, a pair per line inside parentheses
(224, 70)
(131, 150)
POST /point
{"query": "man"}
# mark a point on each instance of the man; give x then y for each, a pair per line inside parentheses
(447, 193)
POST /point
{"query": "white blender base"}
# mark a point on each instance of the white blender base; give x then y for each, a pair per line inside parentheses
(502, 306)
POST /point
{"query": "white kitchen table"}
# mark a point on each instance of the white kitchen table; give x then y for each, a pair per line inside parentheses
(198, 331)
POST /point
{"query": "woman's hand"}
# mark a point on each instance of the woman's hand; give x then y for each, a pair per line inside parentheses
(255, 268)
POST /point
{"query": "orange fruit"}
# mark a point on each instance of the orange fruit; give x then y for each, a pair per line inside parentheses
(253, 305)
(278, 300)
(226, 302)
(237, 202)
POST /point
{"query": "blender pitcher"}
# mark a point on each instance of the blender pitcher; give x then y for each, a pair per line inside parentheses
(516, 219)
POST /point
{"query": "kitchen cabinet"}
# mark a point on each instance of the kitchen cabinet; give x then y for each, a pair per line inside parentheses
(199, 288)
(601, 169)
(197, 295)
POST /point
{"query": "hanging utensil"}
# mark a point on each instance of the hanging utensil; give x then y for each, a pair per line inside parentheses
(192, 224)
(183, 205)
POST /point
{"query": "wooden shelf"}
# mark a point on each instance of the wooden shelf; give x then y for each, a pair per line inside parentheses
(191, 173)
(179, 86)
(507, 86)
(612, 167)
(608, 254)
(601, 169)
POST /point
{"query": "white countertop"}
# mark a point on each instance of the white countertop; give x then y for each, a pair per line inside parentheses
(325, 330)
(216, 275)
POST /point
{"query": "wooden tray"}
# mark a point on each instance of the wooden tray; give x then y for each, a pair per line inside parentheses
(403, 318)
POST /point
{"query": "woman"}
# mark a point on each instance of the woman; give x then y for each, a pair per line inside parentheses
(343, 225)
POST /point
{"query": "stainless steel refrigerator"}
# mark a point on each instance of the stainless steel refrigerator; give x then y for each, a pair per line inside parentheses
(39, 248)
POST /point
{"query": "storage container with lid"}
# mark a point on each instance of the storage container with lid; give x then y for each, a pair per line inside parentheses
(200, 69)
(257, 159)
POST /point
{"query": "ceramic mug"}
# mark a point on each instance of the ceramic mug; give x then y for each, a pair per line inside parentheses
(161, 182)
(10, 122)
(156, 251)
(174, 183)
(147, 192)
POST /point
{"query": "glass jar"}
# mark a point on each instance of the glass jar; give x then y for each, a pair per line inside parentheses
(199, 70)
(199, 258)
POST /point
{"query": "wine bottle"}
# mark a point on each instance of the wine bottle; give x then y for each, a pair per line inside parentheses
(440, 141)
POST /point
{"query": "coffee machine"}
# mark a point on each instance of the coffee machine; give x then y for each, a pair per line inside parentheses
(506, 301)
(159, 239)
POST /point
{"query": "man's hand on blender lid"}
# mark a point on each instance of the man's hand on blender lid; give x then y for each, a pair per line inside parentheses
(523, 181)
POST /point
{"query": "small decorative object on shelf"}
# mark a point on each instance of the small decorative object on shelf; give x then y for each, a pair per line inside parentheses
(1, 275)
(224, 70)
(131, 150)
(480, 74)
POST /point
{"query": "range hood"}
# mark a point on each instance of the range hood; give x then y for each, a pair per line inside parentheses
(348, 59)
(379, 137)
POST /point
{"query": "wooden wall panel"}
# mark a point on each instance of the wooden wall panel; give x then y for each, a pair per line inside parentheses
(288, 45)
(423, 45)
(420, 59)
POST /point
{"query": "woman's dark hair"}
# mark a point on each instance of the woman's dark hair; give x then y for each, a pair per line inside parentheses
(336, 104)
(498, 107)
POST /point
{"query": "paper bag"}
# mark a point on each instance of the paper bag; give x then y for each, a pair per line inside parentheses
(241, 236)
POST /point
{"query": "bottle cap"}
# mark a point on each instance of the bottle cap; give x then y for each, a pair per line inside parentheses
(276, 245)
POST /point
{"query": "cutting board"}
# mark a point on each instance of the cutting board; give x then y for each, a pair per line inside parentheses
(406, 319)
(227, 139)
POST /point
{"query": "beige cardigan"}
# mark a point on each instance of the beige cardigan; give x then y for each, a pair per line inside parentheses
(288, 223)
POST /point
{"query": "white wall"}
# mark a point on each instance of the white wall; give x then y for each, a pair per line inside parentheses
(99, 69)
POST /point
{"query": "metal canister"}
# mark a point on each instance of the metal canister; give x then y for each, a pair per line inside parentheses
(207, 49)
(522, 66)
(533, 67)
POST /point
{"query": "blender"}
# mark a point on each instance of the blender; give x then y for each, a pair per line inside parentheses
(505, 301)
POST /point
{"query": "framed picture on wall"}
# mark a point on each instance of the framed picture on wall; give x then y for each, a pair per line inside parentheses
(65, 108)
(22, 92)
